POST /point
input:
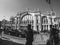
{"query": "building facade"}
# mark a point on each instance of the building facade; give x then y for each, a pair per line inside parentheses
(32, 18)
(38, 21)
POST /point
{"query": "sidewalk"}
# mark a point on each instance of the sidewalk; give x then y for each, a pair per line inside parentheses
(38, 39)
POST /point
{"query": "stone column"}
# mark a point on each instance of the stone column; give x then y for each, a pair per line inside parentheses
(39, 21)
(34, 24)
(15, 22)
(18, 23)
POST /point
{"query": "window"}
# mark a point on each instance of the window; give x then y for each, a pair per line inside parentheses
(59, 24)
(55, 20)
(45, 27)
(37, 28)
(45, 21)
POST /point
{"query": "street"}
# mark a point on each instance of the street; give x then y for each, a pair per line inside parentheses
(5, 42)
(39, 39)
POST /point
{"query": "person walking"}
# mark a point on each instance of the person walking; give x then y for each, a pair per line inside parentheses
(29, 37)
(54, 34)
(1, 29)
(54, 37)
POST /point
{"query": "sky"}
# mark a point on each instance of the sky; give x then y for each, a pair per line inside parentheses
(10, 8)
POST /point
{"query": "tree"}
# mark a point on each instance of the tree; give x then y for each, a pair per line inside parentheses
(12, 19)
(0, 24)
(4, 22)
(48, 1)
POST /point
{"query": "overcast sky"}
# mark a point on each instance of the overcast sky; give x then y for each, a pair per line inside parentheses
(10, 8)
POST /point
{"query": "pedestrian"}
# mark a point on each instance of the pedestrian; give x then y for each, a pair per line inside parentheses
(1, 30)
(54, 34)
(29, 37)
(1, 33)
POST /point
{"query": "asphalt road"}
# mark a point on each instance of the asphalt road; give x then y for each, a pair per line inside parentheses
(5, 42)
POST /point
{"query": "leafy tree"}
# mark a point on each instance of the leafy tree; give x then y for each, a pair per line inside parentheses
(0, 24)
(4, 22)
(12, 19)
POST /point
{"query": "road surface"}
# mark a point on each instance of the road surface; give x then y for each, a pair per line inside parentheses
(39, 39)
(5, 42)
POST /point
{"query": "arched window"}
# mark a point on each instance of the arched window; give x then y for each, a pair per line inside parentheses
(45, 21)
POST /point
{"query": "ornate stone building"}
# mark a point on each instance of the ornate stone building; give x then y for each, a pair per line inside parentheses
(36, 19)
(25, 18)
